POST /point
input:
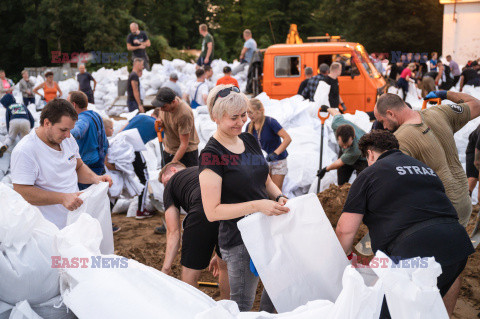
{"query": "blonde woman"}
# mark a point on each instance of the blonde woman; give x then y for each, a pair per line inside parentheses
(234, 182)
(272, 138)
(405, 78)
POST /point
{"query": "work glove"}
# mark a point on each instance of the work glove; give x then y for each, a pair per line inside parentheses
(436, 94)
(324, 108)
(272, 157)
(321, 173)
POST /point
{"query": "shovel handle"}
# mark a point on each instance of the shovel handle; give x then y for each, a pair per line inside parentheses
(322, 118)
(425, 102)
(159, 130)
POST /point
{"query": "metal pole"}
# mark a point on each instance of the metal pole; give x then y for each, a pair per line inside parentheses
(321, 159)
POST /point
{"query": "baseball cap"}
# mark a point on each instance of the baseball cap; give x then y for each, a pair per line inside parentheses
(164, 96)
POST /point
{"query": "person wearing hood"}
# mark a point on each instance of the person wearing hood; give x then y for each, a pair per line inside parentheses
(19, 121)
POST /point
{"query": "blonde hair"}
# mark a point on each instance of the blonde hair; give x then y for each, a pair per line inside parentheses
(412, 66)
(335, 66)
(107, 121)
(203, 27)
(233, 103)
(247, 32)
(24, 71)
(257, 105)
(177, 165)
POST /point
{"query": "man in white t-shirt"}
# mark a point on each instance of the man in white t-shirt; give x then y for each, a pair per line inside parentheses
(46, 165)
(198, 92)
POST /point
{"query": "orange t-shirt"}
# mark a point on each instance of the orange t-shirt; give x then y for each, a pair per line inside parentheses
(227, 79)
(50, 93)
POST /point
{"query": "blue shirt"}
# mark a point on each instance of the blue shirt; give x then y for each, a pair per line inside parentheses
(269, 139)
(145, 125)
(433, 65)
(251, 45)
(89, 133)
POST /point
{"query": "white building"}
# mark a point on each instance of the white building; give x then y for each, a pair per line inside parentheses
(461, 29)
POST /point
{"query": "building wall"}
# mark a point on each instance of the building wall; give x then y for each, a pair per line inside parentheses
(461, 38)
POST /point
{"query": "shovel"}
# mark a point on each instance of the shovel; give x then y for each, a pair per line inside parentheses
(159, 130)
(322, 120)
(364, 246)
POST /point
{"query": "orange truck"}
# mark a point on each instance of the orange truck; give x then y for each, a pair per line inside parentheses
(284, 69)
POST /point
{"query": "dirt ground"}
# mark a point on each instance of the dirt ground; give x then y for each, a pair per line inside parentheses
(137, 240)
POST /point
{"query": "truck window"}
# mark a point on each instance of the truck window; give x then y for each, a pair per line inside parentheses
(287, 66)
(349, 67)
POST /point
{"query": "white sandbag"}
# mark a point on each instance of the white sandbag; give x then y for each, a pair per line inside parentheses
(134, 291)
(121, 206)
(97, 205)
(281, 248)
(361, 298)
(26, 244)
(51, 309)
(132, 209)
(411, 291)
(321, 95)
(133, 137)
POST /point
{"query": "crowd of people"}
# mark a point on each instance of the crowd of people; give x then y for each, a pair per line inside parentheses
(411, 190)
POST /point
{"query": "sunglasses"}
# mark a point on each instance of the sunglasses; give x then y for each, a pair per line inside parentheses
(225, 92)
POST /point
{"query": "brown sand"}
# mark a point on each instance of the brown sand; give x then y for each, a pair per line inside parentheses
(137, 240)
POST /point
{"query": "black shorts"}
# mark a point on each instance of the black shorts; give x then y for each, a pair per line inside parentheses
(189, 159)
(201, 61)
(472, 171)
(199, 241)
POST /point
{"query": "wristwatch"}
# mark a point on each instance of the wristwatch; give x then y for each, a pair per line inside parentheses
(281, 195)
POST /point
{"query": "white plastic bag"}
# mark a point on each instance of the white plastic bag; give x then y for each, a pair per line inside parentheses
(411, 288)
(321, 95)
(297, 255)
(97, 205)
(134, 291)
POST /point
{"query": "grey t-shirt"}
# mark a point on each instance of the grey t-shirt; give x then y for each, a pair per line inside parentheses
(174, 86)
(251, 45)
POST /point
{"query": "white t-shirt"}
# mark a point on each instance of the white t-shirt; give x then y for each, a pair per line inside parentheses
(35, 163)
(203, 89)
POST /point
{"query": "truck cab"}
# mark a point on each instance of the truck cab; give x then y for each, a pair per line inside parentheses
(284, 69)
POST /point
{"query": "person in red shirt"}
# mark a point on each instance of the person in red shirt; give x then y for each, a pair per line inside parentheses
(406, 77)
(227, 78)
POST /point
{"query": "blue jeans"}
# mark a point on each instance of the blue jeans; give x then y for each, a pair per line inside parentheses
(243, 283)
(132, 105)
(28, 100)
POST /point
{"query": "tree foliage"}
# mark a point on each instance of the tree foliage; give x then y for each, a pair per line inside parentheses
(31, 29)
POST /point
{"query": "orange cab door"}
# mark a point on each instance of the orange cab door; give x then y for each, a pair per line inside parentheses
(287, 75)
(352, 88)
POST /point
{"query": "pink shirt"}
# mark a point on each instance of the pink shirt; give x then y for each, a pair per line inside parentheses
(6, 85)
(406, 72)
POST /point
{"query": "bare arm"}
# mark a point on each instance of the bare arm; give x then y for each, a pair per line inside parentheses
(286, 140)
(462, 80)
(335, 165)
(35, 90)
(347, 228)
(476, 161)
(473, 103)
(272, 189)
(211, 189)
(184, 138)
(58, 88)
(147, 43)
(131, 47)
(172, 218)
(209, 51)
(39, 197)
(87, 176)
(136, 94)
(242, 54)
(94, 84)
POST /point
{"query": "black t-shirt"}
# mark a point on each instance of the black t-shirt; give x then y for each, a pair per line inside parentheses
(142, 37)
(132, 77)
(334, 95)
(183, 190)
(84, 81)
(302, 86)
(396, 193)
(243, 180)
(469, 74)
(473, 141)
(394, 71)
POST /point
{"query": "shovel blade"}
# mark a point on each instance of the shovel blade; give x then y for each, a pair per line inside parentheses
(475, 235)
(364, 246)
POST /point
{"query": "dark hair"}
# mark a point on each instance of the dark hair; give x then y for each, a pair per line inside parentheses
(156, 112)
(79, 98)
(207, 68)
(227, 69)
(379, 141)
(345, 132)
(177, 165)
(199, 72)
(389, 101)
(49, 73)
(55, 109)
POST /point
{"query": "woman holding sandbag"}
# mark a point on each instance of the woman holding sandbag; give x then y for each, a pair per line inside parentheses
(234, 182)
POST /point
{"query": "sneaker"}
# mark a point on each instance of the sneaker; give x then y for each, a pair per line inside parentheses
(3, 149)
(115, 228)
(144, 214)
(160, 230)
